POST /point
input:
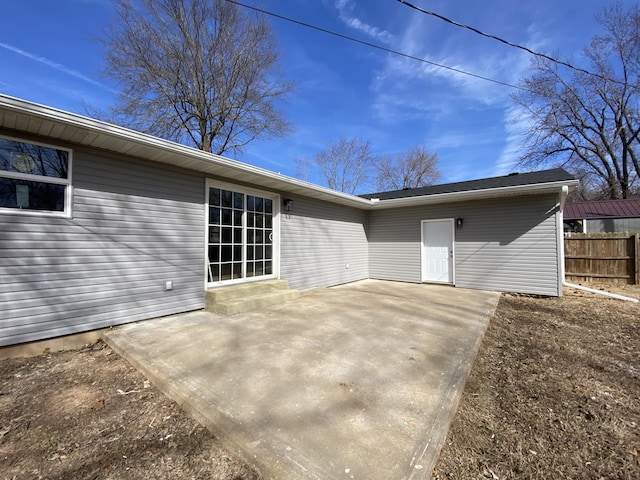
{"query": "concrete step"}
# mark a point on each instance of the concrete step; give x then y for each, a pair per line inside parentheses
(234, 299)
(242, 290)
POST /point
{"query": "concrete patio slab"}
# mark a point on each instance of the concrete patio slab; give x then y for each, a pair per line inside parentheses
(359, 381)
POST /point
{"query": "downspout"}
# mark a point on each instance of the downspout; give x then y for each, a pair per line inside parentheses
(563, 198)
(600, 292)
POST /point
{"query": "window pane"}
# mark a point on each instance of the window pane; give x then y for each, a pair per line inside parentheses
(214, 234)
(214, 253)
(250, 236)
(32, 159)
(226, 198)
(259, 269)
(267, 252)
(214, 197)
(226, 216)
(237, 235)
(225, 272)
(259, 237)
(27, 195)
(268, 205)
(268, 268)
(251, 203)
(237, 270)
(250, 219)
(237, 217)
(226, 235)
(259, 220)
(214, 273)
(214, 216)
(250, 269)
(237, 253)
(268, 236)
(238, 200)
(259, 204)
(249, 252)
(268, 221)
(226, 253)
(258, 253)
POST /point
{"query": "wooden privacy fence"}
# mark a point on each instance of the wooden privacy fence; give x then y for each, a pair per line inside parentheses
(604, 257)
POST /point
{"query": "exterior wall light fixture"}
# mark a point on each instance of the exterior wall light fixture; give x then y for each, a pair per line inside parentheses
(459, 222)
(288, 204)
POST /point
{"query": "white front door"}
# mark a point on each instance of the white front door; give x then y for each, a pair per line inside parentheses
(437, 251)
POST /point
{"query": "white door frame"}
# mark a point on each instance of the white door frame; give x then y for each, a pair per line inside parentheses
(423, 254)
(275, 228)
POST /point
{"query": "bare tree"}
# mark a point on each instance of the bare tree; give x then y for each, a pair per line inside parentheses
(590, 123)
(344, 166)
(198, 72)
(413, 168)
(304, 168)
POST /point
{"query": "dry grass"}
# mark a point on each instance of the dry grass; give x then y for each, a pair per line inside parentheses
(554, 393)
(89, 414)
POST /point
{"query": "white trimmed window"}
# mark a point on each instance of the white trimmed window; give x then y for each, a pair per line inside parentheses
(34, 177)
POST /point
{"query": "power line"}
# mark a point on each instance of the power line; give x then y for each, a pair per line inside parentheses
(506, 42)
(373, 45)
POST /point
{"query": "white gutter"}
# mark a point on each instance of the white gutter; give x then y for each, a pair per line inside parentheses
(550, 187)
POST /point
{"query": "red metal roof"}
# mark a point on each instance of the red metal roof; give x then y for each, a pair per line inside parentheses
(602, 208)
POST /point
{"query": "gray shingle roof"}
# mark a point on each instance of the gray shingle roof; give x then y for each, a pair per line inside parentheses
(602, 209)
(512, 180)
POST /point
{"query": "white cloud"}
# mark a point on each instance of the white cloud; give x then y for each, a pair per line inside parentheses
(345, 12)
(462, 113)
(54, 65)
(424, 87)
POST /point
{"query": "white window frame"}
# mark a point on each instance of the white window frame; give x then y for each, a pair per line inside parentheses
(66, 213)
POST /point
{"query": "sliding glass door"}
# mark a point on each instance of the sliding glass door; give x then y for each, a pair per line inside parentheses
(241, 234)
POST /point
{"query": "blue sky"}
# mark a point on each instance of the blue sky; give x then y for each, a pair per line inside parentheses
(49, 55)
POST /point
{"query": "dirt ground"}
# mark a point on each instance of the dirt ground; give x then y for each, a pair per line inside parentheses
(89, 414)
(554, 393)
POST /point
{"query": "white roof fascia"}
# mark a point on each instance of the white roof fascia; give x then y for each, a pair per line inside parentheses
(204, 161)
(538, 188)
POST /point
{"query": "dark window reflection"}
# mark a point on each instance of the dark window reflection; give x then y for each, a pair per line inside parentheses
(27, 195)
(33, 159)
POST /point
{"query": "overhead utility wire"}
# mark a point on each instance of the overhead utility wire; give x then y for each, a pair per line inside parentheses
(373, 45)
(506, 42)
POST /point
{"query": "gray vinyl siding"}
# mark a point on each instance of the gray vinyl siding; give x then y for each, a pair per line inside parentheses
(612, 225)
(322, 244)
(505, 244)
(134, 225)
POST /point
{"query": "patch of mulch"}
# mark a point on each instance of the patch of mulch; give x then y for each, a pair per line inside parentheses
(89, 414)
(554, 392)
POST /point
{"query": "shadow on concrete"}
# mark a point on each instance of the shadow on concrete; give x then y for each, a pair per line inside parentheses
(359, 381)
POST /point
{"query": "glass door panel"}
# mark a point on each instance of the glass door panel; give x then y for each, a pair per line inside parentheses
(259, 236)
(226, 210)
